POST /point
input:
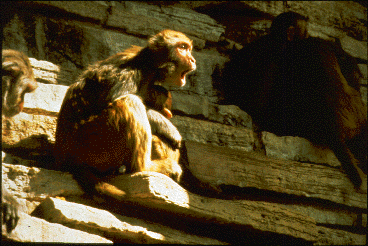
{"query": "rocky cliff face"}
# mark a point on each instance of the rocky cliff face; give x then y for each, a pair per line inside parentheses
(295, 181)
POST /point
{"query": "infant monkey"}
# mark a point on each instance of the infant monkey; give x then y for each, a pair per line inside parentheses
(159, 99)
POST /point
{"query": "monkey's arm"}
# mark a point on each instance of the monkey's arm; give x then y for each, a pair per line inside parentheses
(164, 128)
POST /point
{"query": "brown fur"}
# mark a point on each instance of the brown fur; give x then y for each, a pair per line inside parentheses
(159, 99)
(166, 159)
(9, 210)
(17, 79)
(103, 123)
(163, 154)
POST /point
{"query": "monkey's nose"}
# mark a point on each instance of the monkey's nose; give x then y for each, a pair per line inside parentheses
(193, 63)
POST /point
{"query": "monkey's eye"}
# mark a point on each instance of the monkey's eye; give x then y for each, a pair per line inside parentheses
(183, 46)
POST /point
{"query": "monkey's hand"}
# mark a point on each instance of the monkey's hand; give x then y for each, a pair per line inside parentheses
(162, 127)
(9, 215)
(9, 211)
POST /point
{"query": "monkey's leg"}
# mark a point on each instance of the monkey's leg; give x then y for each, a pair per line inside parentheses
(92, 184)
(167, 166)
(139, 139)
(358, 146)
(163, 127)
(257, 134)
(350, 164)
(131, 114)
(165, 159)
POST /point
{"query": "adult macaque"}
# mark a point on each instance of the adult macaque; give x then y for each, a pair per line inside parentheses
(17, 79)
(103, 123)
(294, 85)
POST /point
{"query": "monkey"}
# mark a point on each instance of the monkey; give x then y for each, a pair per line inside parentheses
(174, 162)
(266, 51)
(103, 123)
(160, 99)
(289, 26)
(291, 97)
(17, 79)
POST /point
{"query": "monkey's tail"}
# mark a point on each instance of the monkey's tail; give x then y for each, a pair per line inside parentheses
(92, 184)
(104, 188)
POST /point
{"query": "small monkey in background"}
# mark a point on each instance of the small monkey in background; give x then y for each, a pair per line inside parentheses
(273, 80)
(17, 80)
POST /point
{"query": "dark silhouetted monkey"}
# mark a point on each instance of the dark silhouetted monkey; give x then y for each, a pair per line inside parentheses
(292, 84)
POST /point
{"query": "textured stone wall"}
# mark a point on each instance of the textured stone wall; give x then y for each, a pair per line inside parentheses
(72, 35)
(297, 191)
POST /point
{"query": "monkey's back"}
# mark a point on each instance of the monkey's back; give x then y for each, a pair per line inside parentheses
(97, 140)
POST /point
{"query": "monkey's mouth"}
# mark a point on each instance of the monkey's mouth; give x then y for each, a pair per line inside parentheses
(185, 72)
(183, 76)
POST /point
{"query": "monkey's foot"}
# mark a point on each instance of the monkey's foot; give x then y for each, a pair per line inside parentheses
(363, 187)
(177, 172)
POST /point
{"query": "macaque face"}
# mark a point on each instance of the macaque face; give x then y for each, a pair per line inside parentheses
(184, 63)
(179, 61)
(17, 80)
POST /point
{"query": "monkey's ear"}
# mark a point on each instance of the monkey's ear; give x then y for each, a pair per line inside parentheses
(9, 65)
(290, 32)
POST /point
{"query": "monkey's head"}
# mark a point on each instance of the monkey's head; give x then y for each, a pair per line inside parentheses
(17, 80)
(173, 55)
(290, 26)
(160, 99)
